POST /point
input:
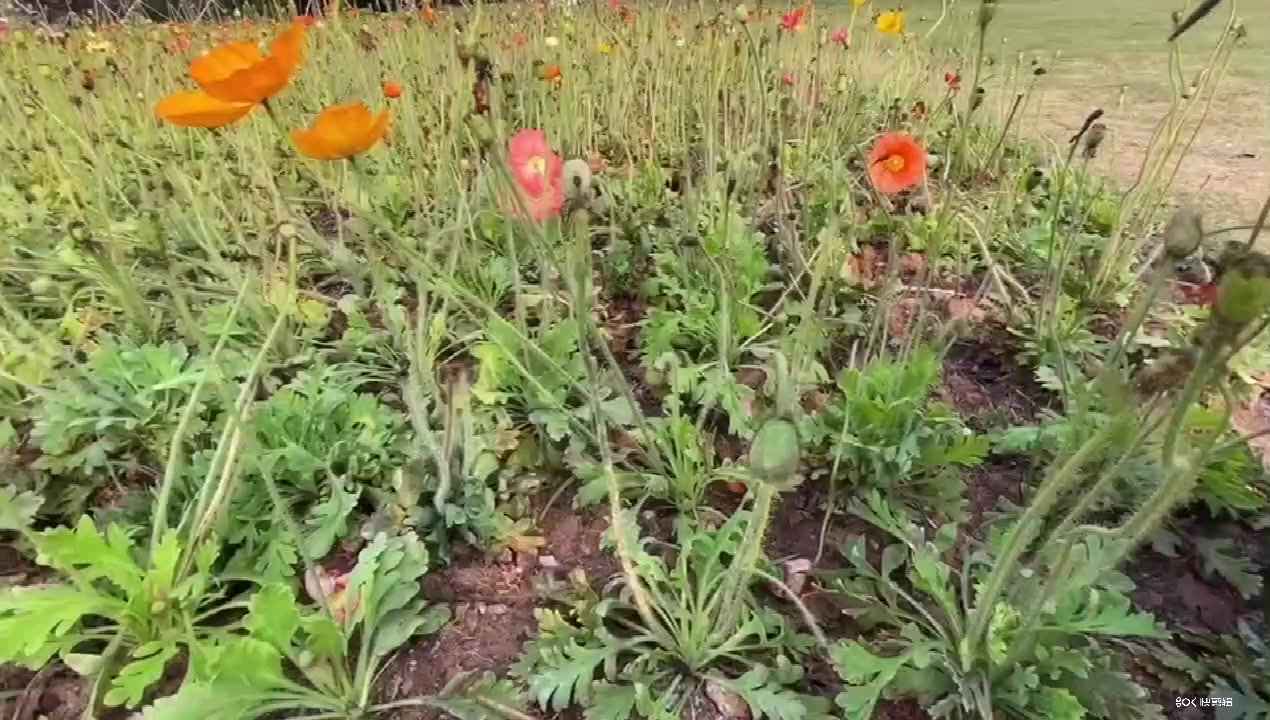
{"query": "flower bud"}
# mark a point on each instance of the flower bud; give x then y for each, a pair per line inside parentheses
(1183, 234)
(987, 11)
(577, 179)
(742, 13)
(1243, 295)
(481, 130)
(774, 452)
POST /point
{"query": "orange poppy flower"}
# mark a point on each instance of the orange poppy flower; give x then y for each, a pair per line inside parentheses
(392, 89)
(897, 162)
(196, 108)
(540, 174)
(341, 132)
(240, 72)
(550, 72)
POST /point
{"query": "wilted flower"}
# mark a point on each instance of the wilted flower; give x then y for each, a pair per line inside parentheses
(577, 179)
(795, 21)
(952, 80)
(842, 36)
(341, 132)
(538, 173)
(897, 162)
(891, 23)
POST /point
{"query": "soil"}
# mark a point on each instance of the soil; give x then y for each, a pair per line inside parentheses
(494, 606)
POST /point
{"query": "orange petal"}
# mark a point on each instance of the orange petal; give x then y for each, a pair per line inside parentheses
(196, 108)
(221, 62)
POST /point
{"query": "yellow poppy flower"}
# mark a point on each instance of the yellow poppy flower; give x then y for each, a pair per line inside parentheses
(240, 72)
(196, 108)
(859, 3)
(342, 132)
(891, 23)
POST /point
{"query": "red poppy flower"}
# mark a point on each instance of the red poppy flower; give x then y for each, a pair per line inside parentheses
(795, 21)
(842, 36)
(897, 162)
(428, 15)
(4, 31)
(520, 39)
(615, 4)
(539, 172)
(789, 80)
(952, 80)
(392, 90)
(306, 20)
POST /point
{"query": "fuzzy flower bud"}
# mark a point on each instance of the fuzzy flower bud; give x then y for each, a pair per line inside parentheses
(774, 453)
(1183, 234)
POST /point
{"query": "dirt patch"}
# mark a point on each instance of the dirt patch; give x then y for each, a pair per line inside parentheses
(1225, 173)
(985, 385)
(987, 484)
(493, 605)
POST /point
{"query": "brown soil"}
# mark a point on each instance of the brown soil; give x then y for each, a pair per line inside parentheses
(987, 387)
(494, 605)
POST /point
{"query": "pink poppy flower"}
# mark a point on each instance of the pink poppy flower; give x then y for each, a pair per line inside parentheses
(841, 36)
(539, 173)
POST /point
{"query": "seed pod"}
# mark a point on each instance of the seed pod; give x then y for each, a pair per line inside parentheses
(1093, 139)
(987, 11)
(481, 130)
(775, 453)
(1243, 295)
(1183, 234)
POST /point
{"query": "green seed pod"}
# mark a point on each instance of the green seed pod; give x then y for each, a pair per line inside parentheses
(1244, 292)
(1183, 234)
(775, 452)
(987, 11)
(481, 130)
(43, 287)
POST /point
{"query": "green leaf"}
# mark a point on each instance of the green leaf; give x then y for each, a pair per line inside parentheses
(1059, 704)
(1240, 572)
(328, 520)
(867, 676)
(564, 674)
(33, 618)
(17, 509)
(163, 563)
(767, 698)
(148, 661)
(87, 553)
(610, 702)
(273, 616)
(200, 701)
(401, 625)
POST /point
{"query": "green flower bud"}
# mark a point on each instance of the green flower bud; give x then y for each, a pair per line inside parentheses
(481, 130)
(987, 11)
(775, 452)
(1243, 294)
(1183, 234)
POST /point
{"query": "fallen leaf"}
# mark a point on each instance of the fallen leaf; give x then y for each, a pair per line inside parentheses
(964, 308)
(728, 703)
(1254, 417)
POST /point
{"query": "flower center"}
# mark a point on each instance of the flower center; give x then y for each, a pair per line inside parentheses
(894, 163)
(538, 164)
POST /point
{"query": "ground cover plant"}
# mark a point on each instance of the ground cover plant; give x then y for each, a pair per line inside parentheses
(622, 360)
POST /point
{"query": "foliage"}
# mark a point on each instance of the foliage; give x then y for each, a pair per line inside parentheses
(888, 433)
(1052, 665)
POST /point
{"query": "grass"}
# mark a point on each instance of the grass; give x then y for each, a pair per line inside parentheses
(685, 277)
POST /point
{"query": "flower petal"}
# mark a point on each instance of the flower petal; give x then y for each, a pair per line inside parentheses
(196, 108)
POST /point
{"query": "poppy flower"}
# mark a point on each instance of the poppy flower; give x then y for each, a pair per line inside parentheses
(795, 21)
(538, 172)
(603, 48)
(551, 73)
(240, 72)
(891, 23)
(952, 80)
(897, 162)
(197, 109)
(841, 36)
(428, 15)
(392, 90)
(341, 132)
(615, 4)
(859, 3)
(789, 80)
